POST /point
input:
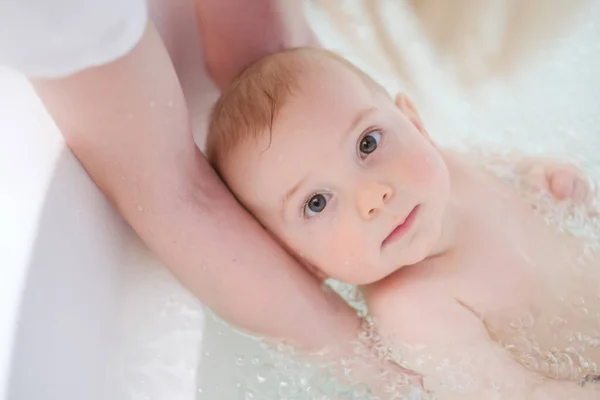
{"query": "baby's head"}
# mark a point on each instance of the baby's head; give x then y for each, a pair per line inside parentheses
(330, 164)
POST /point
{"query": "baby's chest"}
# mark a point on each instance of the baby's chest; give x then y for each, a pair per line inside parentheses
(494, 279)
(512, 262)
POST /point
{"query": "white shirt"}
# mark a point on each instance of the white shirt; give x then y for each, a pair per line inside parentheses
(55, 38)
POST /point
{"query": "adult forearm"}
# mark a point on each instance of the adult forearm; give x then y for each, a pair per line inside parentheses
(236, 33)
(128, 125)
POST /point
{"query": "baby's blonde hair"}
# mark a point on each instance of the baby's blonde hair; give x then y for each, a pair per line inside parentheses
(250, 104)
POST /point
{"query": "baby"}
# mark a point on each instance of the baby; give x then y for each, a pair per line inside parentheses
(454, 264)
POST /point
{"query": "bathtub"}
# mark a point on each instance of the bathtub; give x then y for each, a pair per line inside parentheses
(71, 268)
(86, 311)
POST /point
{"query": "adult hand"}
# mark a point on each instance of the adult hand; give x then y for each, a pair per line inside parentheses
(236, 33)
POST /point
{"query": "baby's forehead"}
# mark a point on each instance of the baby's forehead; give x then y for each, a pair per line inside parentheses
(325, 99)
(311, 127)
(288, 117)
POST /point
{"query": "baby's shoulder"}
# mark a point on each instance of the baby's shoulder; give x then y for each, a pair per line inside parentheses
(418, 312)
(402, 294)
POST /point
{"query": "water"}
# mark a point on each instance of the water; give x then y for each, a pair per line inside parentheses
(549, 107)
(262, 371)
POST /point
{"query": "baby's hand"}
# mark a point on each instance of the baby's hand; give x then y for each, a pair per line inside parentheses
(562, 180)
(568, 182)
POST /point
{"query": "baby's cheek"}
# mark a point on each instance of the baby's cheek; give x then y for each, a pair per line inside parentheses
(344, 247)
(344, 253)
(427, 169)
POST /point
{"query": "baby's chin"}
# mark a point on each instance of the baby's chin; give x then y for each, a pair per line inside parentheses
(386, 271)
(421, 247)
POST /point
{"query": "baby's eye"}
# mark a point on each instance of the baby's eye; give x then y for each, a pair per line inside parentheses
(369, 143)
(316, 204)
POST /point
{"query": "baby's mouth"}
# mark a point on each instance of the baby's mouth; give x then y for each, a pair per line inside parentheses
(401, 229)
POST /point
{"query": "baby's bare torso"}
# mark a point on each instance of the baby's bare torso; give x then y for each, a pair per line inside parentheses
(523, 278)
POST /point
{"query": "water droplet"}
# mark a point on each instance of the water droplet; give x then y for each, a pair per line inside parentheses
(360, 391)
(579, 301)
(140, 208)
(240, 361)
(288, 389)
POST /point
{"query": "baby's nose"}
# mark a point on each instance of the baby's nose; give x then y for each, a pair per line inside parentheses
(372, 197)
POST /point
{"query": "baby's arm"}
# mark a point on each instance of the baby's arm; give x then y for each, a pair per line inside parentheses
(449, 343)
(562, 180)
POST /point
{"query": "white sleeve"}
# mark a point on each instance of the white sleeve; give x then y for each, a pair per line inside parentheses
(55, 38)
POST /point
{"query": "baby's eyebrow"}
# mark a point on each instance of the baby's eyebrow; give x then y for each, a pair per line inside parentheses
(362, 115)
(291, 192)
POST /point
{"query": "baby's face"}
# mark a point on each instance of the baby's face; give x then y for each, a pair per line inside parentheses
(347, 179)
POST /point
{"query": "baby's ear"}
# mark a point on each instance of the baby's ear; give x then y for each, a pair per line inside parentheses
(406, 106)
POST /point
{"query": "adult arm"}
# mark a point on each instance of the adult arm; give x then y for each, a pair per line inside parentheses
(236, 33)
(127, 123)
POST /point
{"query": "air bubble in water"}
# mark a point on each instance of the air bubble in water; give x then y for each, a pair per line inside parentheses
(266, 374)
(360, 391)
(530, 362)
(288, 388)
(314, 393)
